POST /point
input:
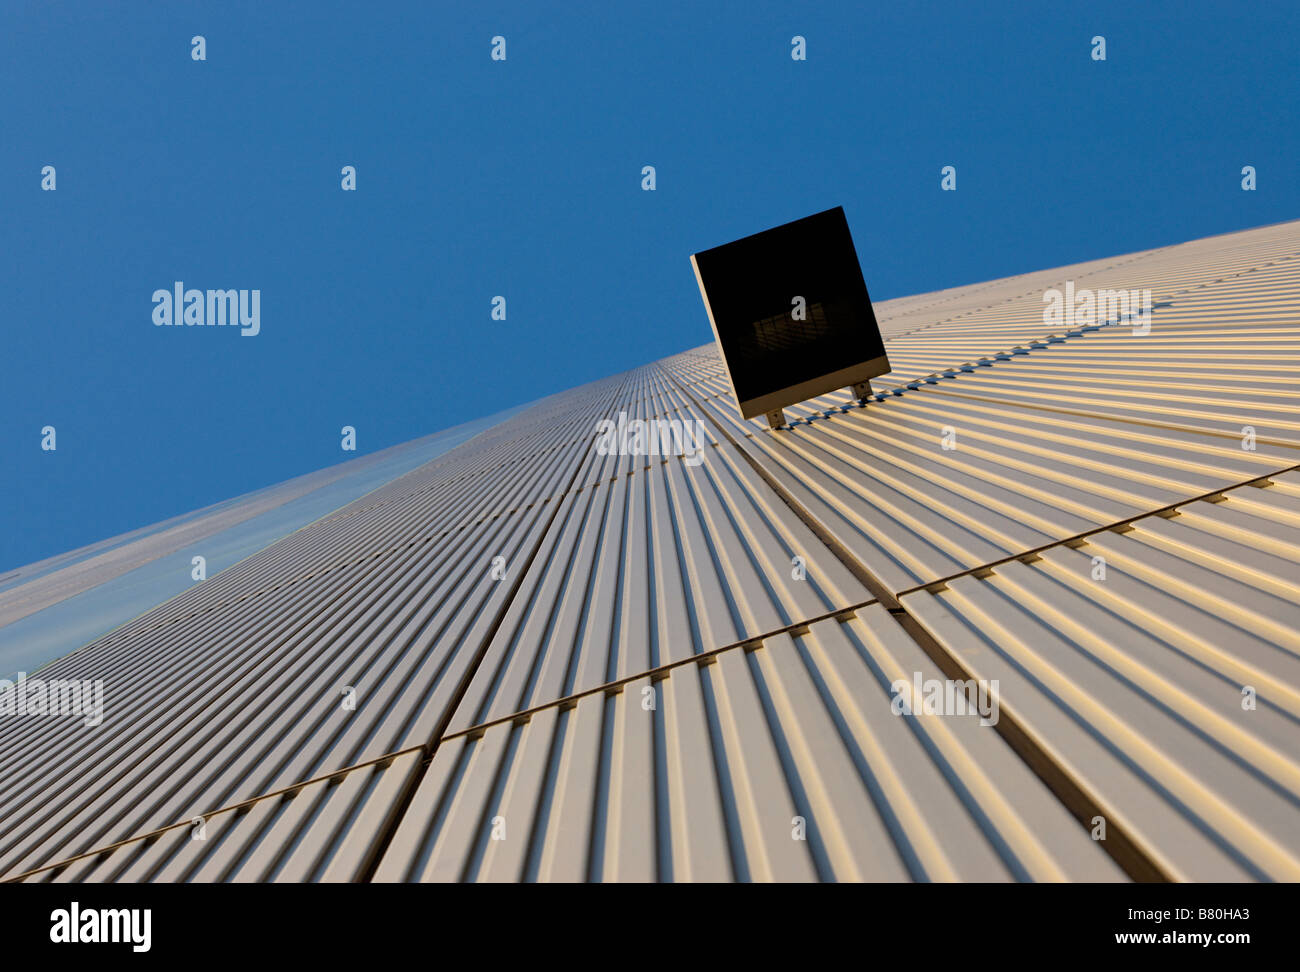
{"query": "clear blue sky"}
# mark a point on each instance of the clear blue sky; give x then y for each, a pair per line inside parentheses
(522, 178)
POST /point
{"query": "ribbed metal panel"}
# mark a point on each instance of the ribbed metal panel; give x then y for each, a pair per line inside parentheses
(1251, 277)
(327, 830)
(398, 607)
(701, 773)
(452, 492)
(1060, 439)
(1133, 679)
(650, 568)
(880, 480)
(47, 612)
(928, 333)
(229, 704)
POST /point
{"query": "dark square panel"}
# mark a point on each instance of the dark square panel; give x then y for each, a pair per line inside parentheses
(749, 288)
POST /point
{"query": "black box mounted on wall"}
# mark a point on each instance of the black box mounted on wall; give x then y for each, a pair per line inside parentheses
(791, 314)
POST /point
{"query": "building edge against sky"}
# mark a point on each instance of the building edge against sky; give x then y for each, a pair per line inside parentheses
(518, 656)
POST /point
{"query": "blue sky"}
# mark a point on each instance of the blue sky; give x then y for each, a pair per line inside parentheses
(522, 178)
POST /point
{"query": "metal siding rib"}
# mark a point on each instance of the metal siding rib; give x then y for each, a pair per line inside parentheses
(323, 831)
(714, 542)
(706, 784)
(402, 628)
(1048, 443)
(403, 623)
(28, 589)
(1135, 681)
(442, 495)
(389, 526)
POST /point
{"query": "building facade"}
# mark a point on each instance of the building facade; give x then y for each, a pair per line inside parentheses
(1032, 613)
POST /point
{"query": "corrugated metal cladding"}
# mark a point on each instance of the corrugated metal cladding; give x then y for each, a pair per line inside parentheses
(1129, 657)
(529, 660)
(708, 771)
(325, 830)
(53, 607)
